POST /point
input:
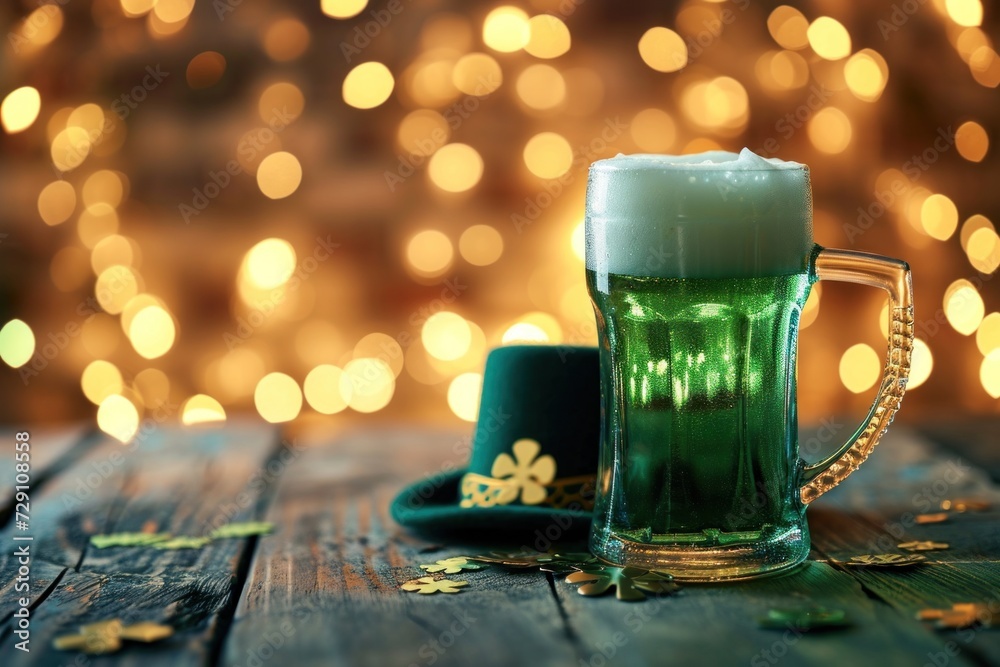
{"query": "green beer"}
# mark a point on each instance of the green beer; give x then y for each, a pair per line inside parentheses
(699, 267)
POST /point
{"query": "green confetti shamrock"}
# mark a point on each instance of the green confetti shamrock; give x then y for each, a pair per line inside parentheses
(243, 529)
(567, 563)
(430, 585)
(128, 539)
(183, 542)
(629, 582)
(452, 565)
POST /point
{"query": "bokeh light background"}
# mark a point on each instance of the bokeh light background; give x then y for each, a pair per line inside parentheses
(329, 210)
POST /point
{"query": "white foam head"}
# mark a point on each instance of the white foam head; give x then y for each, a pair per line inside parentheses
(709, 215)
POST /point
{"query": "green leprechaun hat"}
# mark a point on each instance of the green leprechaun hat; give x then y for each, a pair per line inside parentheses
(534, 452)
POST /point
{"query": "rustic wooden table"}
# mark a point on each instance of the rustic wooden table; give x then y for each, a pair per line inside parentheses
(324, 587)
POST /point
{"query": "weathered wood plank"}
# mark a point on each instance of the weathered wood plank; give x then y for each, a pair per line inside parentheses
(324, 590)
(174, 480)
(52, 449)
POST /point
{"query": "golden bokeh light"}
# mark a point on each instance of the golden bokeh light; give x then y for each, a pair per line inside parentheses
(548, 36)
(988, 334)
(422, 132)
(118, 417)
(104, 187)
(720, 104)
(829, 38)
(202, 409)
(480, 245)
(524, 333)
(545, 322)
(99, 380)
(419, 365)
(989, 373)
(428, 80)
(372, 384)
(983, 250)
(810, 311)
(70, 148)
(506, 29)
(984, 64)
(173, 11)
(160, 29)
(281, 100)
(866, 74)
(963, 306)
(277, 398)
(237, 373)
(541, 87)
(653, 130)
(463, 395)
(328, 391)
(578, 241)
(477, 74)
(921, 364)
(972, 141)
(472, 360)
(429, 253)
(279, 175)
(153, 386)
(286, 39)
(455, 167)
(111, 250)
(205, 69)
(56, 202)
(788, 27)
(939, 217)
(967, 13)
(115, 286)
(368, 85)
(136, 304)
(548, 155)
(19, 109)
(446, 336)
(17, 343)
(860, 368)
(342, 9)
(37, 29)
(135, 8)
(663, 49)
(96, 222)
(152, 332)
(381, 346)
(100, 335)
(270, 263)
(782, 70)
(968, 41)
(830, 130)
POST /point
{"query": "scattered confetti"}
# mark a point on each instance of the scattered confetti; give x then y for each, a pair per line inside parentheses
(966, 505)
(922, 545)
(804, 619)
(452, 565)
(244, 529)
(517, 559)
(106, 636)
(128, 539)
(430, 585)
(629, 583)
(884, 560)
(961, 615)
(183, 542)
(938, 517)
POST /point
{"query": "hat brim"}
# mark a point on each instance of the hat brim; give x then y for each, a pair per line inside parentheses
(431, 506)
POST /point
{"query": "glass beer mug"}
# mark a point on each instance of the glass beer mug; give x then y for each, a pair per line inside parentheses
(699, 267)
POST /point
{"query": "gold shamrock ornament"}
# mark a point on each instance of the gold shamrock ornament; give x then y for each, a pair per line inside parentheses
(452, 565)
(961, 615)
(885, 560)
(107, 636)
(922, 545)
(628, 582)
(528, 472)
(430, 585)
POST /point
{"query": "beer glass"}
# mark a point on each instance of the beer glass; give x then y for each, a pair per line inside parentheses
(698, 267)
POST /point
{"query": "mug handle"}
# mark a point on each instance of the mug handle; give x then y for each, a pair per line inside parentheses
(893, 276)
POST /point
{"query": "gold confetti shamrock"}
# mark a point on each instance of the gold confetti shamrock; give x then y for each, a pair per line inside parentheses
(528, 473)
(961, 615)
(244, 529)
(430, 585)
(183, 542)
(804, 619)
(452, 565)
(628, 582)
(529, 559)
(925, 545)
(885, 560)
(937, 517)
(107, 636)
(128, 539)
